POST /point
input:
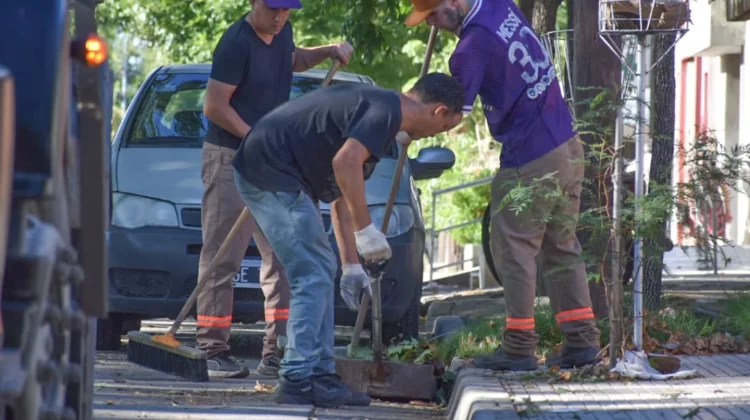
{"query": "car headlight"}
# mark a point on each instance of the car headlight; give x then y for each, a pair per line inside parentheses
(133, 211)
(402, 219)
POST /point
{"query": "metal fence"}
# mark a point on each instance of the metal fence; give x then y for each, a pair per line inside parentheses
(434, 232)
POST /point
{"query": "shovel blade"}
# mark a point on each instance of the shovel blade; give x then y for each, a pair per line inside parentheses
(388, 380)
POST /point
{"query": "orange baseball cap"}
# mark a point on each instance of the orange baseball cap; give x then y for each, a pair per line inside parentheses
(422, 9)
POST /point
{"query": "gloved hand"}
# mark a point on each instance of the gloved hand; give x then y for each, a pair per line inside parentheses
(353, 280)
(372, 245)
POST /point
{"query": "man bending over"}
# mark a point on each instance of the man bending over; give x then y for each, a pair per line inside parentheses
(288, 163)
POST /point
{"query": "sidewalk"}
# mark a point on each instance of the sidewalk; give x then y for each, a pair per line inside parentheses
(720, 391)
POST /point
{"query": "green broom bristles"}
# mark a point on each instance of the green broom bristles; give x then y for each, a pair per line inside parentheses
(193, 369)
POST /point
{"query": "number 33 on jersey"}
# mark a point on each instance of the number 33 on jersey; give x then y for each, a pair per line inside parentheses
(525, 49)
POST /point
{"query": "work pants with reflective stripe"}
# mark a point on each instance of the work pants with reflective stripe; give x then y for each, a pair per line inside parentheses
(221, 206)
(548, 224)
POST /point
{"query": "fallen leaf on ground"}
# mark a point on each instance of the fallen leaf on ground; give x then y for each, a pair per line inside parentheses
(111, 402)
(259, 387)
(565, 376)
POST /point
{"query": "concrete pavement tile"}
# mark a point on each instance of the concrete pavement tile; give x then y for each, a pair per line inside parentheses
(260, 412)
(471, 390)
(722, 414)
(378, 411)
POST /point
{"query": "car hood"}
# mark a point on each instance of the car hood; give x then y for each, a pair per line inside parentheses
(171, 174)
(174, 175)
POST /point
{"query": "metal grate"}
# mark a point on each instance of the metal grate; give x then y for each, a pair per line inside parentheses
(191, 217)
(558, 45)
(140, 283)
(643, 16)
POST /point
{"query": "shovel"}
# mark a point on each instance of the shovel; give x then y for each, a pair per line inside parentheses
(380, 378)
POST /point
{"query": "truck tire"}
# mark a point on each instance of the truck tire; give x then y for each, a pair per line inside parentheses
(109, 332)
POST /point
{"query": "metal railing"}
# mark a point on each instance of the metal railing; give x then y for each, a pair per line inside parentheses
(435, 232)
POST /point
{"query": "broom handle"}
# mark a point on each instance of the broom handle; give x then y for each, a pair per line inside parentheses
(391, 199)
(210, 269)
(232, 233)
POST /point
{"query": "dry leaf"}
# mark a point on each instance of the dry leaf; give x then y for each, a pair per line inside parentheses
(565, 376)
(419, 403)
(554, 369)
(110, 402)
(259, 387)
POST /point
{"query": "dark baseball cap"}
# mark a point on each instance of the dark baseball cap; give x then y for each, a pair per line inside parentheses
(283, 4)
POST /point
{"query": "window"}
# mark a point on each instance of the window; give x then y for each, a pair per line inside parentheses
(171, 113)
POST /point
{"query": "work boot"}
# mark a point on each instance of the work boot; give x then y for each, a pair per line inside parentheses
(330, 392)
(294, 392)
(225, 366)
(571, 357)
(501, 360)
(269, 366)
(359, 399)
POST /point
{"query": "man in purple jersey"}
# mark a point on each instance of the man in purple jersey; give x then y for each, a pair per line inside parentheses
(500, 58)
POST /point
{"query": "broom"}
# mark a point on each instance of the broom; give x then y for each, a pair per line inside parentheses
(163, 352)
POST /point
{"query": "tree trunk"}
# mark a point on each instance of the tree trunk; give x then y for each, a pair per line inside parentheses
(662, 158)
(545, 16)
(527, 8)
(593, 75)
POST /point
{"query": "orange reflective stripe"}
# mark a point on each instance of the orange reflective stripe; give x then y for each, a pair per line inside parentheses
(277, 314)
(519, 323)
(214, 321)
(574, 315)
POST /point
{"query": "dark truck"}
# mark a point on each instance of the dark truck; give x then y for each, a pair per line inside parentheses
(55, 111)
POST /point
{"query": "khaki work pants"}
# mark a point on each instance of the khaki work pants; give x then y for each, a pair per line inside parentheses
(221, 206)
(547, 224)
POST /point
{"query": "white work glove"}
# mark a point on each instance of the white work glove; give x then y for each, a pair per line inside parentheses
(353, 280)
(372, 245)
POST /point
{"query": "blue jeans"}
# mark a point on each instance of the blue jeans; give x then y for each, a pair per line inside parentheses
(292, 225)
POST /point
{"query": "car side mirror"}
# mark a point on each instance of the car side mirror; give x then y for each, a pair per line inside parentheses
(431, 162)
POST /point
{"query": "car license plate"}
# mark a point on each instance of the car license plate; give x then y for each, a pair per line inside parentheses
(243, 279)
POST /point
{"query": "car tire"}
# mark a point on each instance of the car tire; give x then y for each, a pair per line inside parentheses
(408, 326)
(109, 332)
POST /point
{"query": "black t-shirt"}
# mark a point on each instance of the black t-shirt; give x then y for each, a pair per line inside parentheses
(261, 72)
(292, 147)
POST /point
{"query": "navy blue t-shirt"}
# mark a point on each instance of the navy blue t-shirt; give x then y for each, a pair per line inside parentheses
(292, 147)
(262, 73)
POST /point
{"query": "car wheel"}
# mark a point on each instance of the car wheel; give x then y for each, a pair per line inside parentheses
(109, 332)
(408, 326)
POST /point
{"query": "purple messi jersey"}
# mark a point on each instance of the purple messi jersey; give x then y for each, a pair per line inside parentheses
(500, 58)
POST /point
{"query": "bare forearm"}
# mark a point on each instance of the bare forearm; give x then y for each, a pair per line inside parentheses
(343, 229)
(307, 58)
(352, 184)
(227, 118)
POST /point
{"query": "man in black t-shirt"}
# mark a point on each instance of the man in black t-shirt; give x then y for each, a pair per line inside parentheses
(251, 74)
(284, 166)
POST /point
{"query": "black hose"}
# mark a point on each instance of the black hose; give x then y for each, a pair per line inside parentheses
(487, 250)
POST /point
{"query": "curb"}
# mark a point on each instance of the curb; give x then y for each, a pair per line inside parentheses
(479, 395)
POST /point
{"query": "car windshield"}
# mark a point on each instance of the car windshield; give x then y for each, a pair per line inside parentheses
(171, 114)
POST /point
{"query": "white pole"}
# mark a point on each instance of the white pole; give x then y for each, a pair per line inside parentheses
(644, 42)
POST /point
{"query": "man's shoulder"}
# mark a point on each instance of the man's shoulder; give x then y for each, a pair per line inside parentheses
(236, 34)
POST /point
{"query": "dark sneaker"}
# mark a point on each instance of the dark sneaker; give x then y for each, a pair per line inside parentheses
(359, 399)
(269, 367)
(571, 357)
(330, 392)
(225, 366)
(500, 360)
(294, 392)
